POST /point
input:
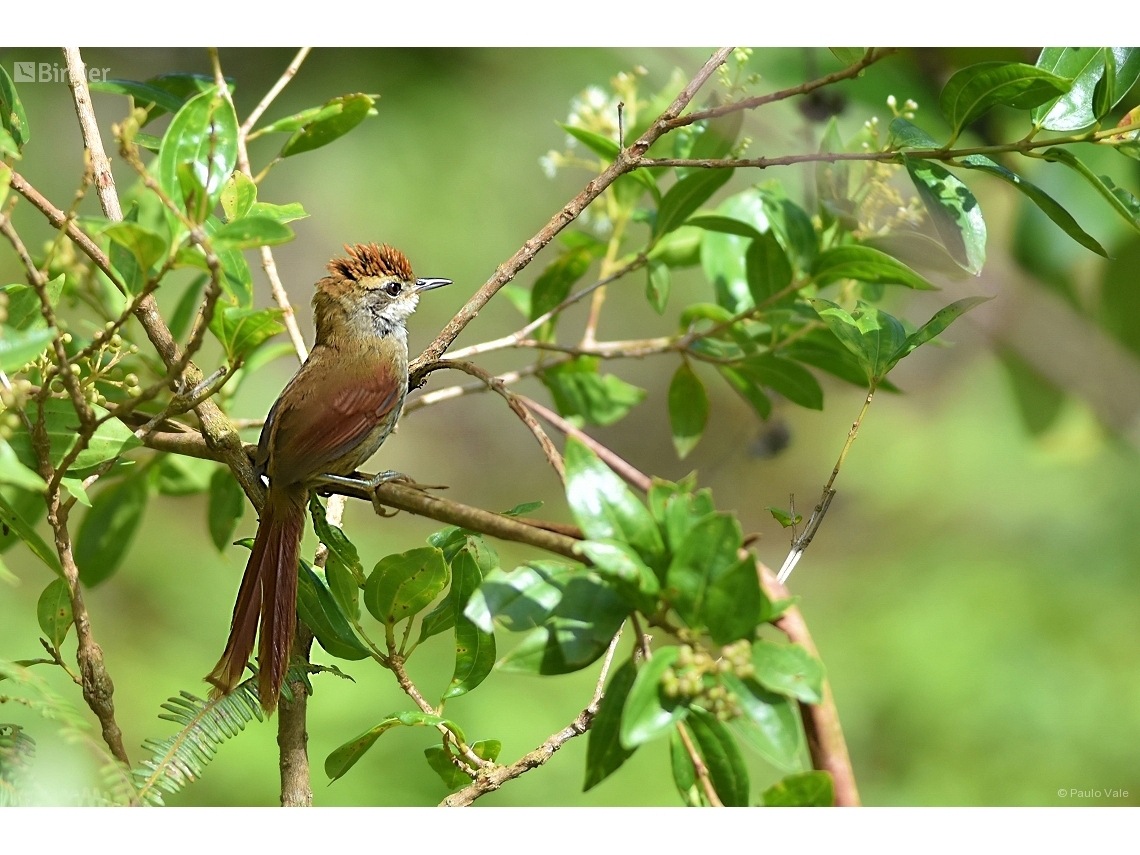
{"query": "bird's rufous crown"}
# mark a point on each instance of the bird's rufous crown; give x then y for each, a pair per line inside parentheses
(368, 259)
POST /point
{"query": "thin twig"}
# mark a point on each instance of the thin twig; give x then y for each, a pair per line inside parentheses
(699, 766)
(281, 83)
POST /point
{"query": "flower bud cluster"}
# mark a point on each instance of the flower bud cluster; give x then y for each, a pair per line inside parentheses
(696, 677)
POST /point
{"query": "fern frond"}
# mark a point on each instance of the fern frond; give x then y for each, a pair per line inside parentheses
(180, 759)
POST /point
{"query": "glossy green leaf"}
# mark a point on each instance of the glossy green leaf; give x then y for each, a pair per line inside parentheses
(975, 89)
(178, 475)
(12, 471)
(204, 134)
(767, 267)
(866, 265)
(402, 585)
(1104, 93)
(707, 551)
(604, 751)
(954, 211)
(791, 223)
(111, 439)
(619, 565)
(341, 550)
(604, 507)
(682, 512)
(684, 773)
(1040, 198)
(187, 307)
(243, 330)
(147, 247)
(733, 603)
(749, 389)
(686, 196)
(182, 85)
(648, 713)
(806, 789)
(657, 285)
(904, 134)
(727, 770)
(238, 195)
(321, 612)
(874, 336)
(109, 527)
(332, 121)
(790, 379)
(281, 213)
(581, 393)
(249, 232)
(474, 648)
(1061, 155)
(604, 147)
(578, 631)
(723, 224)
(784, 518)
(789, 670)
(680, 248)
(717, 137)
(822, 350)
(848, 55)
(226, 507)
(1085, 67)
(770, 725)
(688, 409)
(24, 306)
(53, 611)
(520, 600)
(722, 255)
(345, 757)
(942, 319)
(15, 521)
(18, 347)
(454, 778)
(13, 119)
(554, 285)
(144, 94)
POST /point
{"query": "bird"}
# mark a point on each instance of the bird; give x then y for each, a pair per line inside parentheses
(331, 417)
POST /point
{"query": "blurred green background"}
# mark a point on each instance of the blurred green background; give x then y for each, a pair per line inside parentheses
(973, 592)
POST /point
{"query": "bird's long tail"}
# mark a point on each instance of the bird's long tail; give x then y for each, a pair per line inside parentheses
(269, 587)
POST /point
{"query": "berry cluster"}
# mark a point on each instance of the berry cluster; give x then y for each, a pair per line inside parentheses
(696, 677)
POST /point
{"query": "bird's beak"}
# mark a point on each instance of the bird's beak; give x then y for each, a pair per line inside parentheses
(428, 284)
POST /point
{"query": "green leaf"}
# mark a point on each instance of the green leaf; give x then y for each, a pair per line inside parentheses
(321, 612)
(648, 713)
(111, 439)
(942, 319)
(770, 724)
(24, 306)
(8, 148)
(783, 517)
(722, 256)
(143, 93)
(848, 55)
(454, 778)
(554, 285)
(186, 308)
(806, 789)
(767, 268)
(183, 476)
(688, 409)
(866, 265)
(1085, 66)
(474, 648)
(12, 116)
(733, 603)
(602, 146)
(109, 527)
(903, 134)
(281, 213)
(784, 376)
(954, 211)
(341, 550)
(345, 757)
(332, 121)
(147, 247)
(238, 195)
(12, 471)
(54, 611)
(727, 771)
(242, 331)
(976, 88)
(680, 248)
(16, 522)
(717, 138)
(19, 347)
(604, 507)
(724, 225)
(580, 392)
(226, 507)
(203, 134)
(1039, 197)
(686, 196)
(792, 225)
(402, 585)
(1104, 93)
(657, 285)
(520, 600)
(249, 232)
(749, 389)
(821, 349)
(620, 565)
(707, 551)
(789, 670)
(604, 751)
(870, 333)
(684, 773)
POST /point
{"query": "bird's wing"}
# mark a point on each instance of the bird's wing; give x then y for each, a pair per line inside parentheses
(328, 409)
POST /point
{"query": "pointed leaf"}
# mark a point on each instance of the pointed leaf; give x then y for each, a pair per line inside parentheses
(249, 232)
(686, 196)
(204, 134)
(226, 507)
(648, 713)
(1118, 204)
(866, 265)
(109, 527)
(474, 648)
(807, 789)
(657, 285)
(345, 757)
(954, 211)
(727, 770)
(770, 724)
(767, 267)
(688, 409)
(1085, 66)
(53, 610)
(942, 319)
(13, 119)
(790, 379)
(19, 347)
(789, 670)
(242, 331)
(321, 612)
(904, 134)
(975, 89)
(402, 585)
(15, 521)
(604, 751)
(332, 121)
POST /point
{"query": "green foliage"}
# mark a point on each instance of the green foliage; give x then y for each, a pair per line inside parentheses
(226, 507)
(688, 409)
(584, 395)
(806, 789)
(53, 611)
(109, 527)
(971, 92)
(242, 331)
(954, 211)
(604, 751)
(345, 757)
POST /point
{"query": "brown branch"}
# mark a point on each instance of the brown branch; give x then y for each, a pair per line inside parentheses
(821, 721)
(281, 83)
(699, 766)
(625, 161)
(869, 58)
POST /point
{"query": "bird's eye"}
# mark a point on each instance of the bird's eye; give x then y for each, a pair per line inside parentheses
(393, 289)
